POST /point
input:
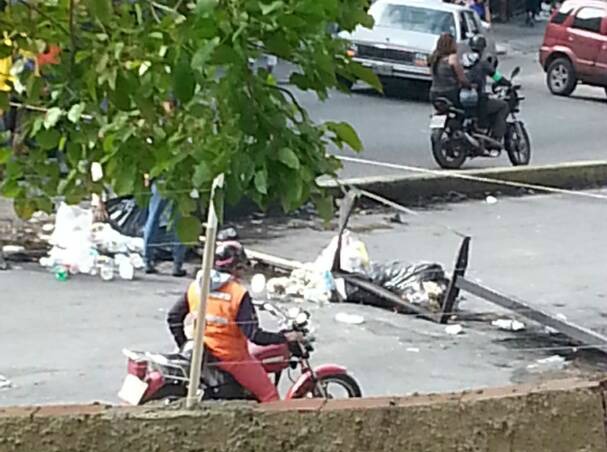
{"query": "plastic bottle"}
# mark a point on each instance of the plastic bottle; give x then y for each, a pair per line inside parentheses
(106, 268)
(126, 270)
(61, 273)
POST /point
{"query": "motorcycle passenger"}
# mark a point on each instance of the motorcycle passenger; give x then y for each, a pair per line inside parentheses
(231, 321)
(448, 75)
(492, 112)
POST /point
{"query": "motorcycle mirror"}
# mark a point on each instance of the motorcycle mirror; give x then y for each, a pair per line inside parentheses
(258, 284)
(302, 318)
(293, 313)
(515, 72)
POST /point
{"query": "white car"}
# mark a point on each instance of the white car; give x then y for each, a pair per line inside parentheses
(405, 34)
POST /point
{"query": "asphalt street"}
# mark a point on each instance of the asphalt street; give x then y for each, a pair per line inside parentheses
(395, 128)
(61, 342)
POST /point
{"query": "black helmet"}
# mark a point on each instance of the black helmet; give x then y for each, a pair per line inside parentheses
(230, 256)
(477, 43)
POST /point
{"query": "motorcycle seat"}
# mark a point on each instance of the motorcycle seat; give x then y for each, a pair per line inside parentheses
(443, 106)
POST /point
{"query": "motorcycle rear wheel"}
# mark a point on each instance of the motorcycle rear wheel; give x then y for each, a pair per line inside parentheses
(442, 155)
(344, 381)
(518, 144)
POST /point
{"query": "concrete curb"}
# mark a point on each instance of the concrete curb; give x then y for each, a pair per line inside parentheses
(423, 188)
(557, 416)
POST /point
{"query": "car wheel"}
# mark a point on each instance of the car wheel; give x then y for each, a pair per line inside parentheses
(561, 77)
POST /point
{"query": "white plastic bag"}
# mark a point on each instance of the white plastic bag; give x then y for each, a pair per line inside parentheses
(354, 255)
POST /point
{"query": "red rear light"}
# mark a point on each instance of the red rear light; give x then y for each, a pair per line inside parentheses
(137, 368)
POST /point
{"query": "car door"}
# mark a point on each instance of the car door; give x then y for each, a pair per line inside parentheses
(583, 39)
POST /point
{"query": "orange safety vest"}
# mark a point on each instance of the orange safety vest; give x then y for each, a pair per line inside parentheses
(222, 336)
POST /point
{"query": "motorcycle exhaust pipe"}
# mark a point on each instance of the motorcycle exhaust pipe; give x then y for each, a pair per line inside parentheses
(490, 142)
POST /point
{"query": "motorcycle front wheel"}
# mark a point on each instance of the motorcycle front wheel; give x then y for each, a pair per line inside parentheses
(518, 144)
(446, 155)
(341, 386)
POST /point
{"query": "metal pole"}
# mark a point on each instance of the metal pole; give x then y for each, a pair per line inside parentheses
(207, 264)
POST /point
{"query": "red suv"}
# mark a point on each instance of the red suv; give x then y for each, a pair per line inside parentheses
(575, 46)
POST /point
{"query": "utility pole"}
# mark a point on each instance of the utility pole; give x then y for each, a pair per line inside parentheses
(207, 265)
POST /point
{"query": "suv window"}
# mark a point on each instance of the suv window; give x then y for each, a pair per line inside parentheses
(561, 16)
(589, 19)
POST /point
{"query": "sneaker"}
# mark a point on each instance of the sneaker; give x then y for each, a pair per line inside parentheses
(179, 273)
(150, 269)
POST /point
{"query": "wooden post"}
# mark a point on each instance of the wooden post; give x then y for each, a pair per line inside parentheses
(207, 264)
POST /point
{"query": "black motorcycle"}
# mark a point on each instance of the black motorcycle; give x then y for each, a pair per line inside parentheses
(456, 135)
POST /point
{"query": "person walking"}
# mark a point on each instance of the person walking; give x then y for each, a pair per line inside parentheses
(153, 237)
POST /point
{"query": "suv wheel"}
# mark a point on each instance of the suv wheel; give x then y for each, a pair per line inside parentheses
(561, 77)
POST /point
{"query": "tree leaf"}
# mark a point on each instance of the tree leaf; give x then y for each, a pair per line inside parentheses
(346, 133)
(203, 54)
(48, 139)
(289, 158)
(52, 116)
(366, 75)
(261, 182)
(202, 174)
(75, 112)
(188, 229)
(24, 208)
(183, 82)
(205, 6)
(5, 155)
(101, 9)
(4, 101)
(325, 207)
(270, 8)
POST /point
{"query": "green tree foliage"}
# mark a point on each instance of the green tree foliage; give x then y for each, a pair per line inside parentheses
(122, 60)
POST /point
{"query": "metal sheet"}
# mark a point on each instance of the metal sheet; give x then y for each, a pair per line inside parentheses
(577, 333)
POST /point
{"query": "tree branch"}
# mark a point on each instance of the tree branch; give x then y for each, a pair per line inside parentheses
(46, 16)
(301, 110)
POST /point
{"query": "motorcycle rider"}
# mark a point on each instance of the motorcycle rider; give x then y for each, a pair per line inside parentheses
(447, 72)
(231, 321)
(478, 68)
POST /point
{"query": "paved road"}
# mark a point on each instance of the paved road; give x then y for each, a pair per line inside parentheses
(61, 342)
(395, 129)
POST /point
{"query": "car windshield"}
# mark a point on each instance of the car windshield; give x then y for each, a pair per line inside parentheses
(413, 18)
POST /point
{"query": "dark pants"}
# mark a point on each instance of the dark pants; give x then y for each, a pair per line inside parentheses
(152, 236)
(452, 95)
(497, 112)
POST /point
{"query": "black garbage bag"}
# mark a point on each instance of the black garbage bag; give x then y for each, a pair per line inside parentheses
(126, 216)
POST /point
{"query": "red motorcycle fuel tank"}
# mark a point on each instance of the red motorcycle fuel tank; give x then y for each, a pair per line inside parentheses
(274, 358)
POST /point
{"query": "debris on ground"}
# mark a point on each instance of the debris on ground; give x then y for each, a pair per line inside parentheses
(554, 362)
(413, 350)
(454, 330)
(81, 246)
(5, 383)
(491, 200)
(508, 324)
(350, 319)
(421, 284)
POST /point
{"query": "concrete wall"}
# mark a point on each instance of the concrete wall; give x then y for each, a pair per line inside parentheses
(561, 416)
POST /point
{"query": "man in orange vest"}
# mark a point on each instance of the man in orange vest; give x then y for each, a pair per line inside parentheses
(231, 322)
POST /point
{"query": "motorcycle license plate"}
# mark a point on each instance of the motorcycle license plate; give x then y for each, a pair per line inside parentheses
(438, 121)
(132, 390)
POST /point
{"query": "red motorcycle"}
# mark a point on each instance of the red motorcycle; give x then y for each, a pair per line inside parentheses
(153, 376)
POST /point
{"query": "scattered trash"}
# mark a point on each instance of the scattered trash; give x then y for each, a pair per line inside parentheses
(227, 234)
(454, 330)
(552, 363)
(258, 284)
(5, 383)
(354, 256)
(491, 200)
(561, 316)
(61, 273)
(350, 319)
(49, 227)
(12, 249)
(96, 171)
(413, 349)
(508, 325)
